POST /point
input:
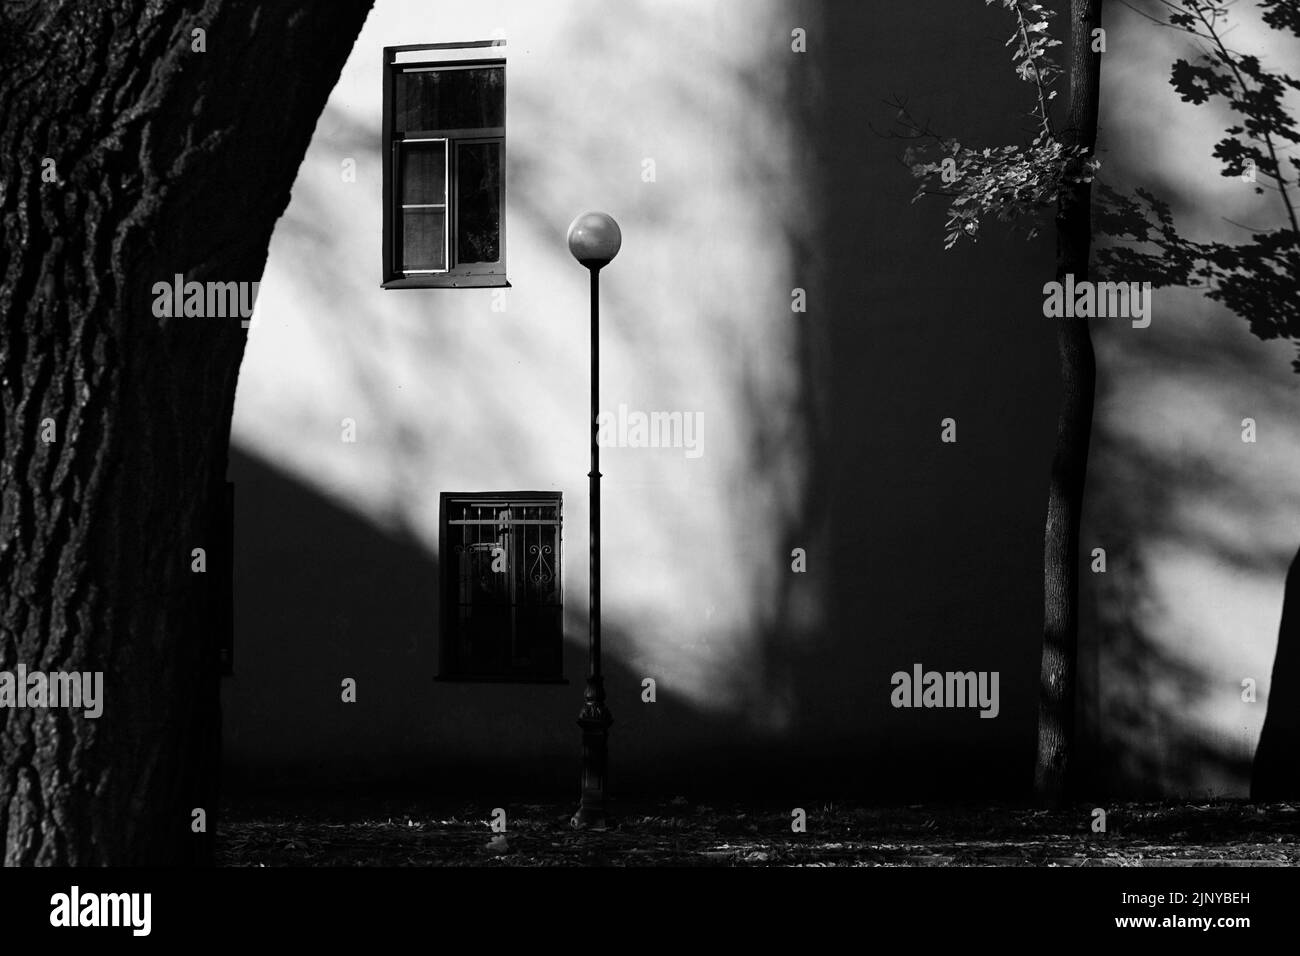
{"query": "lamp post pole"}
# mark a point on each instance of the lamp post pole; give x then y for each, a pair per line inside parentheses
(594, 240)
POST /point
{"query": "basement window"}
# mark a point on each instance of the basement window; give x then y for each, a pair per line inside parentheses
(444, 136)
(502, 593)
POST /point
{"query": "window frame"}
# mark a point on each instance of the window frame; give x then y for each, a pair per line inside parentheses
(478, 54)
(449, 602)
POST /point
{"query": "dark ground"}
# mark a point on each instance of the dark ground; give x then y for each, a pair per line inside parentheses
(677, 833)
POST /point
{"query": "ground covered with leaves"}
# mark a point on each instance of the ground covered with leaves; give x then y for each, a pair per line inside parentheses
(678, 833)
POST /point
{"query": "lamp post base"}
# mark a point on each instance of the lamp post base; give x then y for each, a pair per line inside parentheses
(594, 721)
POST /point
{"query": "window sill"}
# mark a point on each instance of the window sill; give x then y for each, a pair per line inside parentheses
(448, 282)
(441, 679)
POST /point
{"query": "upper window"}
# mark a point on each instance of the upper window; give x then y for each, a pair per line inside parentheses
(444, 174)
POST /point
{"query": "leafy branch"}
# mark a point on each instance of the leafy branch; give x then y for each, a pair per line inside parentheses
(1257, 279)
(1014, 183)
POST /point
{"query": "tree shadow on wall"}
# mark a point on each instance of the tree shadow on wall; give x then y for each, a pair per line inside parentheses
(1159, 682)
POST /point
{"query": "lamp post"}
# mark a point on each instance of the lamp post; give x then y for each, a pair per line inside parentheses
(594, 240)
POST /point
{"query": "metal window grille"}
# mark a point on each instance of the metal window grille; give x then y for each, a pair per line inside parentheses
(503, 594)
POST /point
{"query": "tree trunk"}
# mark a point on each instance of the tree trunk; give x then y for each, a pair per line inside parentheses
(1276, 772)
(168, 161)
(1056, 706)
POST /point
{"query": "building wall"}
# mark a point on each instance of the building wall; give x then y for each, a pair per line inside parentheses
(820, 429)
(1199, 526)
(450, 394)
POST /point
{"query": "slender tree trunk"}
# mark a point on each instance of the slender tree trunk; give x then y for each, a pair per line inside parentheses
(1056, 707)
(167, 161)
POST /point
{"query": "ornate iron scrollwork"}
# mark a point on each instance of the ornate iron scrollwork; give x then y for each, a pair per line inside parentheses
(540, 572)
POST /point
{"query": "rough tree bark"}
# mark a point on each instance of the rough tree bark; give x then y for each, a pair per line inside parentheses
(1056, 706)
(168, 161)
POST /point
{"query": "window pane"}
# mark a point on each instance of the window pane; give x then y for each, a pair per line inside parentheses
(423, 173)
(478, 194)
(450, 99)
(424, 239)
